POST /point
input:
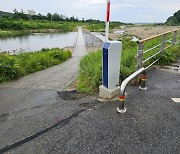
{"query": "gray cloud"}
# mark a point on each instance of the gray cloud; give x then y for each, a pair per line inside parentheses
(122, 10)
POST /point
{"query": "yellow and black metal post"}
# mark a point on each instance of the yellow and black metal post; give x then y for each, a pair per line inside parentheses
(143, 81)
(121, 108)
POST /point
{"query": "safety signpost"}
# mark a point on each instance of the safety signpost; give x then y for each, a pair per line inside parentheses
(111, 59)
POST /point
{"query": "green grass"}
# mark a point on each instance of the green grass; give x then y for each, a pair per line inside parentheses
(90, 73)
(10, 27)
(63, 26)
(15, 66)
(100, 27)
(11, 33)
(90, 76)
(10, 24)
(170, 56)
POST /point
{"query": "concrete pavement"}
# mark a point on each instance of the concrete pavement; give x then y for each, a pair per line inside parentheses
(80, 48)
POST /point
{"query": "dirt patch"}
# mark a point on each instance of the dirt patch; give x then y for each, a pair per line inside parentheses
(70, 95)
(93, 49)
(143, 32)
(68, 49)
(117, 34)
(72, 85)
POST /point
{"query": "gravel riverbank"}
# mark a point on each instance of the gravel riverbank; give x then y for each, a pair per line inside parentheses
(93, 43)
(149, 31)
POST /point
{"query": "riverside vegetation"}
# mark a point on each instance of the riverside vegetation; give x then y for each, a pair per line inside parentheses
(10, 27)
(19, 23)
(15, 66)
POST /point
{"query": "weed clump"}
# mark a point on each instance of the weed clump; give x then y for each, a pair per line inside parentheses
(90, 73)
(15, 66)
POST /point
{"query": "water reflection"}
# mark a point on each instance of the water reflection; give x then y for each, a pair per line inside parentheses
(37, 41)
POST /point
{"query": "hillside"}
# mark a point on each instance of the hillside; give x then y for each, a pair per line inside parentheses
(5, 14)
(174, 20)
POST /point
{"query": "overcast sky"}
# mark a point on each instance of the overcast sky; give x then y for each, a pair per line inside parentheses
(121, 10)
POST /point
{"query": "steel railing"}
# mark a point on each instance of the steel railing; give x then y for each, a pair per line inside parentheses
(143, 63)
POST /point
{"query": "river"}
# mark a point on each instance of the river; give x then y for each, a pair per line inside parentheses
(37, 41)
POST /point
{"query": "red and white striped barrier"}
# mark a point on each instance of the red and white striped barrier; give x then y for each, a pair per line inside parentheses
(107, 20)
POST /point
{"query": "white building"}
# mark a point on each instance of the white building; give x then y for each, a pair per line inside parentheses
(31, 12)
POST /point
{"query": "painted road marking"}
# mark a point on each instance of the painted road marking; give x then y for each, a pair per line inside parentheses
(176, 100)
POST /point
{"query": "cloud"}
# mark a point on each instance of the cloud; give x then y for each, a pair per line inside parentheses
(122, 10)
(96, 1)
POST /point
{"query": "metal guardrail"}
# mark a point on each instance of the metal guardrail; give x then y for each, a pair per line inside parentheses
(141, 67)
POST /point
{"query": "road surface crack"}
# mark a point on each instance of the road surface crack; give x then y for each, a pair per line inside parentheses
(59, 124)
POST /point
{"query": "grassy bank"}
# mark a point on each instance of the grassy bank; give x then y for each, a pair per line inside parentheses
(100, 27)
(15, 66)
(12, 33)
(63, 26)
(10, 24)
(10, 27)
(90, 76)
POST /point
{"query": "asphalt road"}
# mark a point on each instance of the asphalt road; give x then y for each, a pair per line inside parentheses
(39, 121)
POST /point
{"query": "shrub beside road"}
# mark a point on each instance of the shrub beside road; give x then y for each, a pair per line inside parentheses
(15, 66)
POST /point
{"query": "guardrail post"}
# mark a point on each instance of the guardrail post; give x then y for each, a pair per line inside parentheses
(121, 108)
(174, 38)
(140, 55)
(143, 81)
(163, 44)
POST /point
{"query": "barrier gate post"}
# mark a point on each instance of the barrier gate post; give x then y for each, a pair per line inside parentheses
(111, 58)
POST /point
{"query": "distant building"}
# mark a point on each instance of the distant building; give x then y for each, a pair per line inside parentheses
(31, 12)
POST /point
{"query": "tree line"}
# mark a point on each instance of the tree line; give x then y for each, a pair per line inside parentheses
(17, 15)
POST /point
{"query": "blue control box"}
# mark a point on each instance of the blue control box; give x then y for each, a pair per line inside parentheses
(111, 59)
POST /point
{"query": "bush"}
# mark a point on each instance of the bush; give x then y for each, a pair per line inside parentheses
(10, 24)
(9, 70)
(14, 66)
(170, 56)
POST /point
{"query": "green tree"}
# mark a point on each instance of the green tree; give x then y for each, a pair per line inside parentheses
(174, 20)
(49, 17)
(55, 17)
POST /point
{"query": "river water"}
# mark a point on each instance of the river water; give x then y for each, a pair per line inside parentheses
(37, 41)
